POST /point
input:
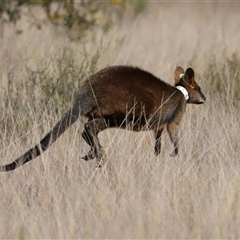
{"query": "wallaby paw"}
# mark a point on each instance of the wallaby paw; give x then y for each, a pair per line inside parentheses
(89, 156)
(157, 151)
(174, 153)
(101, 158)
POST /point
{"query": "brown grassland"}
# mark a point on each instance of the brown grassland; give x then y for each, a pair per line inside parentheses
(136, 195)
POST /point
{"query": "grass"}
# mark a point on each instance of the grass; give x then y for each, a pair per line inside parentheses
(136, 195)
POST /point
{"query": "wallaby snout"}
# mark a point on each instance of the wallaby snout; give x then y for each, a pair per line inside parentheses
(202, 98)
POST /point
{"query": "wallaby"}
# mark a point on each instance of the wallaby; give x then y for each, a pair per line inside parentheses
(125, 97)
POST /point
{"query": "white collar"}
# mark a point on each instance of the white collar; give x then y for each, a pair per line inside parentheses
(184, 91)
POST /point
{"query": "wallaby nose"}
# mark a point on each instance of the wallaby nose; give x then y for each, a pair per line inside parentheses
(203, 99)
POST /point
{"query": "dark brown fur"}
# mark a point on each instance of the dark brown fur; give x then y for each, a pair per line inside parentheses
(125, 97)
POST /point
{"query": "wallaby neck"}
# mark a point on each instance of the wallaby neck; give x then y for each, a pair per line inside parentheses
(184, 91)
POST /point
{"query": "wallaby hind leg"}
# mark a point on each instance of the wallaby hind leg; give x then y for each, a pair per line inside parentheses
(158, 134)
(91, 129)
(88, 139)
(172, 129)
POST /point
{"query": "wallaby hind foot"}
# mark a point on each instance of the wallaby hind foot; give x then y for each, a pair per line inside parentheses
(101, 158)
(174, 153)
(89, 156)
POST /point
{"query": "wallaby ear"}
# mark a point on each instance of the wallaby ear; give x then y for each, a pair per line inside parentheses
(189, 75)
(178, 74)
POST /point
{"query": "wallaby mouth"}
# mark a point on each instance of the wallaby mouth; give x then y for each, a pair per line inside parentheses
(199, 101)
(202, 101)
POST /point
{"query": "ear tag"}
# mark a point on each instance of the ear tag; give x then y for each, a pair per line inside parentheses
(181, 75)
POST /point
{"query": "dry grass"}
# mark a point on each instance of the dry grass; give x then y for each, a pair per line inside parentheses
(136, 195)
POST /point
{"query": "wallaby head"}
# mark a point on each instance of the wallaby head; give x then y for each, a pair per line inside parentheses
(187, 80)
(125, 97)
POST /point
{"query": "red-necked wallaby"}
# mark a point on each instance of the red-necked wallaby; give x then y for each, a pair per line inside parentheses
(124, 96)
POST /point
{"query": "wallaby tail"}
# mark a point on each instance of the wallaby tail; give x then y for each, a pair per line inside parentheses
(67, 120)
